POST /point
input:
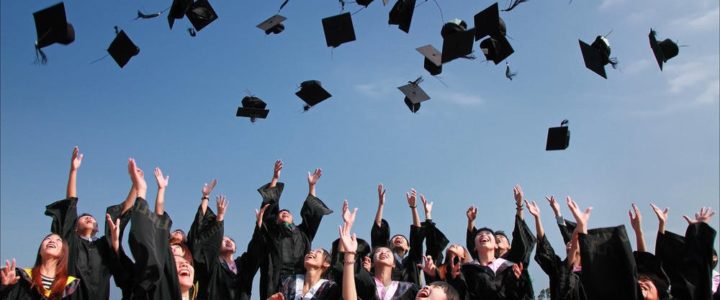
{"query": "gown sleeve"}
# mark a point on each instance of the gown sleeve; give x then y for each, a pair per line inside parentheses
(607, 261)
(312, 212)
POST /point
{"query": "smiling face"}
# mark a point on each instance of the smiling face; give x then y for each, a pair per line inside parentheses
(285, 216)
(502, 242)
(86, 224)
(383, 257)
(51, 247)
(485, 241)
(185, 272)
(437, 291)
(317, 258)
(399, 243)
(228, 245)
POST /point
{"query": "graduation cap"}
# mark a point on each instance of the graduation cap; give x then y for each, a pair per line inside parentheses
(664, 50)
(597, 55)
(273, 24)
(456, 45)
(338, 29)
(177, 10)
(312, 93)
(496, 49)
(414, 95)
(433, 59)
(122, 49)
(489, 23)
(401, 14)
(364, 2)
(558, 138)
(252, 107)
(201, 14)
(52, 27)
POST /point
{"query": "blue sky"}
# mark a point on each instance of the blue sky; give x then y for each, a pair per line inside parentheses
(640, 136)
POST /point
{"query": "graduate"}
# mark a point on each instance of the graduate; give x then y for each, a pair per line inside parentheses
(47, 279)
(90, 258)
(435, 291)
(449, 270)
(565, 282)
(406, 254)
(286, 244)
(221, 275)
(520, 250)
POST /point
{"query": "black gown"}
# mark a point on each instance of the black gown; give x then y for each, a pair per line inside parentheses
(564, 283)
(405, 268)
(608, 266)
(286, 246)
(480, 282)
(687, 261)
(367, 290)
(215, 279)
(24, 290)
(93, 262)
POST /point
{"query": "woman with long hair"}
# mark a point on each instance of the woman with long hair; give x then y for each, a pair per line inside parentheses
(47, 279)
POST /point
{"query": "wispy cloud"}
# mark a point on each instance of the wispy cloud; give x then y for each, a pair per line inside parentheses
(608, 4)
(704, 20)
(459, 98)
(377, 90)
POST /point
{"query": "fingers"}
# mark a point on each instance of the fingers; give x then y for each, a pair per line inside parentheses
(422, 198)
(687, 219)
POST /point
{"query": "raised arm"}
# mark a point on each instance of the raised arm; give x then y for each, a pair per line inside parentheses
(580, 217)
(162, 183)
(381, 205)
(312, 181)
(276, 173)
(427, 206)
(114, 228)
(636, 222)
(518, 195)
(8, 276)
(138, 179)
(75, 162)
(661, 216)
(349, 243)
(535, 212)
(471, 214)
(206, 190)
(412, 203)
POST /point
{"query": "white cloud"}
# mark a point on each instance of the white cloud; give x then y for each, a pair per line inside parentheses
(377, 90)
(462, 99)
(683, 77)
(608, 4)
(705, 20)
(711, 93)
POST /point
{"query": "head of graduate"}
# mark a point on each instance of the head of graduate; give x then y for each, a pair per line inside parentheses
(285, 217)
(317, 259)
(399, 244)
(438, 290)
(86, 225)
(485, 241)
(53, 250)
(227, 246)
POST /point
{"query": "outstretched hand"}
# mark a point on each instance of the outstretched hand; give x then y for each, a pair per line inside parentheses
(427, 206)
(348, 217)
(314, 176)
(636, 219)
(554, 205)
(137, 176)
(518, 195)
(277, 168)
(704, 215)
(259, 215)
(381, 194)
(533, 208)
(411, 198)
(428, 266)
(471, 213)
(580, 217)
(222, 204)
(8, 276)
(208, 188)
(76, 159)
(162, 182)
(349, 242)
(114, 231)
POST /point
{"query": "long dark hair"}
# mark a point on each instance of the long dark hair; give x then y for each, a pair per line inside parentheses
(58, 286)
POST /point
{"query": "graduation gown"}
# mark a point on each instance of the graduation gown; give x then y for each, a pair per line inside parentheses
(405, 267)
(323, 290)
(286, 245)
(367, 290)
(687, 261)
(23, 289)
(435, 241)
(92, 261)
(215, 279)
(564, 283)
(608, 266)
(480, 282)
(154, 273)
(337, 259)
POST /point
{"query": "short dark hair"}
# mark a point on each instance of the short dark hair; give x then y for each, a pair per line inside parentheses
(403, 236)
(450, 291)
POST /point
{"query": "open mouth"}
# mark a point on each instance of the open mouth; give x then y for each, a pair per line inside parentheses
(184, 273)
(424, 292)
(51, 245)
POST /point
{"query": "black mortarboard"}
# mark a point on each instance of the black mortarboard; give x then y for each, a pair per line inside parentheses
(433, 59)
(122, 49)
(558, 138)
(312, 93)
(456, 45)
(496, 49)
(364, 2)
(650, 266)
(489, 23)
(338, 29)
(273, 24)
(52, 26)
(401, 14)
(597, 55)
(454, 26)
(414, 95)
(664, 50)
(201, 14)
(252, 107)
(177, 10)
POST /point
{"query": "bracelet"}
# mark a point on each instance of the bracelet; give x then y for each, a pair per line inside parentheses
(413, 206)
(205, 197)
(349, 262)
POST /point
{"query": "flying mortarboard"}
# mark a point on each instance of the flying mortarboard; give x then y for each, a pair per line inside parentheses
(52, 27)
(177, 10)
(489, 23)
(273, 24)
(496, 49)
(401, 14)
(558, 138)
(433, 59)
(364, 2)
(338, 29)
(456, 45)
(201, 14)
(312, 93)
(664, 50)
(252, 107)
(122, 49)
(454, 26)
(414, 95)
(597, 55)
